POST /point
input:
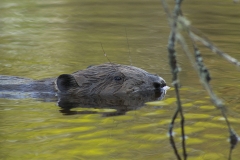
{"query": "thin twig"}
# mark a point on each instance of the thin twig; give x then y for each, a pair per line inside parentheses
(108, 58)
(175, 70)
(205, 78)
(198, 65)
(129, 52)
(206, 42)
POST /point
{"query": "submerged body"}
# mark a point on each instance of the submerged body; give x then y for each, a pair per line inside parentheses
(17, 88)
(102, 80)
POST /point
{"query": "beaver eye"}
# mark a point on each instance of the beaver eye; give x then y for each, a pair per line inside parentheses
(117, 78)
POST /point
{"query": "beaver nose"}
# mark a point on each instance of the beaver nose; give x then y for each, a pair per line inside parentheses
(159, 84)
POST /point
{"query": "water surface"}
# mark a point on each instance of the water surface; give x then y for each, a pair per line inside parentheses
(40, 39)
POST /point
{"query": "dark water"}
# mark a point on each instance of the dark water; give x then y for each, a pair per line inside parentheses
(40, 39)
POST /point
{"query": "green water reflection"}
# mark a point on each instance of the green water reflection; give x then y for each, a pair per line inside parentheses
(40, 39)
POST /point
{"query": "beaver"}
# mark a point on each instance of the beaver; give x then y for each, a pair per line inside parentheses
(108, 85)
(109, 79)
(102, 80)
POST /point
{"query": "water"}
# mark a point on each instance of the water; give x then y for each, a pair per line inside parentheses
(41, 39)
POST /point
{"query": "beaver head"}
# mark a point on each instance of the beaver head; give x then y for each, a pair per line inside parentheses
(109, 79)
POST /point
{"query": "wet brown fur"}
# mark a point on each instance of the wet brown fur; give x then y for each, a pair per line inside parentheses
(108, 79)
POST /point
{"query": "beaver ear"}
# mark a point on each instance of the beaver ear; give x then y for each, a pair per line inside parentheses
(66, 82)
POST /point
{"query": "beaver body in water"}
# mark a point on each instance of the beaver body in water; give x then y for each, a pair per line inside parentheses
(108, 85)
(103, 80)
